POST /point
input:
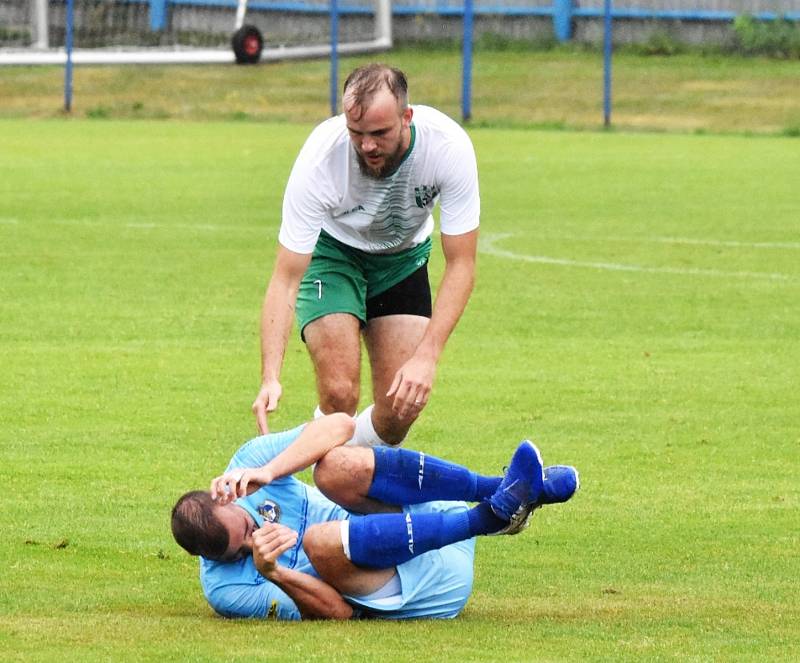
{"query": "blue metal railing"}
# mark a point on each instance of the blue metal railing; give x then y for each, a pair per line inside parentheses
(562, 12)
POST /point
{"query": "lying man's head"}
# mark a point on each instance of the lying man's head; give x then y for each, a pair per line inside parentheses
(203, 527)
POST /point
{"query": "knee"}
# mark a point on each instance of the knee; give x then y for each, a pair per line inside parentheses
(312, 542)
(321, 542)
(344, 474)
(339, 394)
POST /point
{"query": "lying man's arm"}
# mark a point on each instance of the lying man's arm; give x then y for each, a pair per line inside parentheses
(317, 438)
(315, 599)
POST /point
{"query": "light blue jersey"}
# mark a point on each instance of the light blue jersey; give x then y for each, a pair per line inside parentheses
(237, 589)
(436, 584)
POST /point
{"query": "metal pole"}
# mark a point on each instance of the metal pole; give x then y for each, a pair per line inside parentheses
(383, 22)
(466, 58)
(40, 24)
(241, 10)
(562, 19)
(68, 68)
(334, 57)
(607, 33)
(158, 15)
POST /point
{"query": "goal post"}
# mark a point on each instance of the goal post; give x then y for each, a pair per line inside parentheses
(39, 24)
(198, 31)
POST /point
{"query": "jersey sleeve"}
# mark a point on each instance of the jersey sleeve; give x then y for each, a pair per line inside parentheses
(260, 450)
(459, 199)
(303, 212)
(311, 192)
(250, 601)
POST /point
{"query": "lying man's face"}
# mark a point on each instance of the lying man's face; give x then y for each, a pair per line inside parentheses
(240, 526)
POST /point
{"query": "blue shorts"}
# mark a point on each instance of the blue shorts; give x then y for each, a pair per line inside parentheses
(435, 585)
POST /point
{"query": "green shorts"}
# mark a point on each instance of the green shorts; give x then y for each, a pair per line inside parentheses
(340, 279)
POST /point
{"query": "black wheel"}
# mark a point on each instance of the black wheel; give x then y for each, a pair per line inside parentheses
(247, 44)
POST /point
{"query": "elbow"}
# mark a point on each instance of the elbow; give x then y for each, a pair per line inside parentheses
(340, 612)
(343, 612)
(333, 613)
(462, 269)
(466, 282)
(470, 281)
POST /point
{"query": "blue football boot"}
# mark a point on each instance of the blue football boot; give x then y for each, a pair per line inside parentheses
(561, 482)
(521, 489)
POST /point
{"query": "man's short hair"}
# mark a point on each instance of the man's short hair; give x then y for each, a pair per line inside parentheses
(363, 83)
(196, 527)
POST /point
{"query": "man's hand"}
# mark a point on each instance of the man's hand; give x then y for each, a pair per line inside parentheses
(269, 543)
(412, 386)
(238, 483)
(266, 401)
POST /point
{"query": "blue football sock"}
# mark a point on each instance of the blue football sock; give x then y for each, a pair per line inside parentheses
(405, 477)
(381, 541)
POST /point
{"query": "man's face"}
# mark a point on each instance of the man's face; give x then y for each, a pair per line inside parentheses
(240, 526)
(379, 133)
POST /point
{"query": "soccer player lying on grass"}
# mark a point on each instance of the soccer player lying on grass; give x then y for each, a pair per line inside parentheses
(272, 546)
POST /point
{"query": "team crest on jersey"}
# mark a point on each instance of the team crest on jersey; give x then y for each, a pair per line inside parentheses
(269, 511)
(425, 194)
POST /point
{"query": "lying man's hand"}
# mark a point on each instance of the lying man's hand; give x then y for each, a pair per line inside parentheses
(238, 483)
(269, 543)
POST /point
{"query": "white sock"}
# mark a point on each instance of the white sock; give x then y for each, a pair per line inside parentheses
(365, 435)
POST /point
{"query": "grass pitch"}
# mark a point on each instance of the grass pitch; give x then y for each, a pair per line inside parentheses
(635, 313)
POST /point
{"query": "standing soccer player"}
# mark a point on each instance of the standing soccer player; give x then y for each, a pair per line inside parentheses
(353, 250)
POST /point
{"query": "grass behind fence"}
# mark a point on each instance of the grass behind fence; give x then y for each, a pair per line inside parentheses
(516, 87)
(635, 312)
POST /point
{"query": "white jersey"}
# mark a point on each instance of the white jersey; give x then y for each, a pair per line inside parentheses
(327, 190)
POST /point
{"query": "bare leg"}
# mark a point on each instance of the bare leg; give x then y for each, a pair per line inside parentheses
(334, 344)
(391, 341)
(344, 475)
(323, 545)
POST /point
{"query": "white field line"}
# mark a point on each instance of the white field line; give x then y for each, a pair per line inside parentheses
(190, 226)
(491, 238)
(689, 240)
(208, 227)
(731, 243)
(488, 244)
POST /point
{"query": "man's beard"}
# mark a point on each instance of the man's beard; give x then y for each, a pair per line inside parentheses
(391, 163)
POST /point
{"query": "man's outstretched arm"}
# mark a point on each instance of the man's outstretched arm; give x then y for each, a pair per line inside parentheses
(317, 439)
(413, 382)
(276, 322)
